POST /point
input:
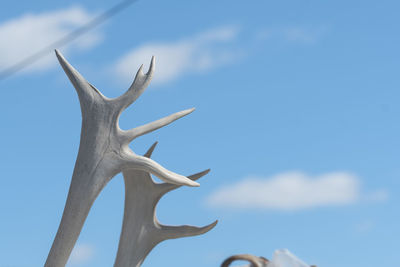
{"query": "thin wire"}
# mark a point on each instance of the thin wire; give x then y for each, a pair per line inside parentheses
(7, 72)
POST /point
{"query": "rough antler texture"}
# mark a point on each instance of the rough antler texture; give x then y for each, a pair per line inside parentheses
(141, 231)
(103, 152)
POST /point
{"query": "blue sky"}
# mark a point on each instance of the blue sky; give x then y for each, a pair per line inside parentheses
(297, 107)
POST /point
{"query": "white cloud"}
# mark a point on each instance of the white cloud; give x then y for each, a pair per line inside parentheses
(292, 191)
(22, 36)
(82, 253)
(198, 53)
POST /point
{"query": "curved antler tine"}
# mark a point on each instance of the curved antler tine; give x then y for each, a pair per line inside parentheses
(150, 150)
(254, 260)
(137, 87)
(149, 165)
(152, 126)
(150, 72)
(172, 232)
(82, 86)
(165, 188)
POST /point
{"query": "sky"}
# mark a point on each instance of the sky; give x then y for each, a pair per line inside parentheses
(297, 107)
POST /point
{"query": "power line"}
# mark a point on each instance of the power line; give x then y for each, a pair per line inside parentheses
(7, 72)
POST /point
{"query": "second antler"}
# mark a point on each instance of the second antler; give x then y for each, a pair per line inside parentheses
(141, 230)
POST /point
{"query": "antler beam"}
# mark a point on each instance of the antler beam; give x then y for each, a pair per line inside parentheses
(141, 230)
(103, 152)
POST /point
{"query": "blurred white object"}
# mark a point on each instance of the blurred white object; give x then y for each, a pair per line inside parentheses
(283, 258)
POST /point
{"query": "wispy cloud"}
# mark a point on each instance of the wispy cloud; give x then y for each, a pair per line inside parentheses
(380, 195)
(197, 53)
(293, 34)
(82, 253)
(293, 191)
(365, 226)
(22, 36)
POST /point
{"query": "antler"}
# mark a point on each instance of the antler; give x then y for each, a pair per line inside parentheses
(103, 152)
(141, 231)
(254, 260)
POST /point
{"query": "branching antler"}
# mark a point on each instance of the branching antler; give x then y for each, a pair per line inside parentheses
(141, 231)
(103, 152)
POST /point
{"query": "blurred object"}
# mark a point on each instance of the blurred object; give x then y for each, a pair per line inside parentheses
(284, 258)
(281, 258)
(254, 260)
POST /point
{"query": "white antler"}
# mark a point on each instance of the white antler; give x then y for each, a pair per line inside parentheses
(103, 152)
(141, 231)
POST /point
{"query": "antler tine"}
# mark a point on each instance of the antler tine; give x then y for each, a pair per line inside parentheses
(150, 150)
(137, 87)
(165, 188)
(149, 165)
(172, 232)
(152, 126)
(84, 89)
